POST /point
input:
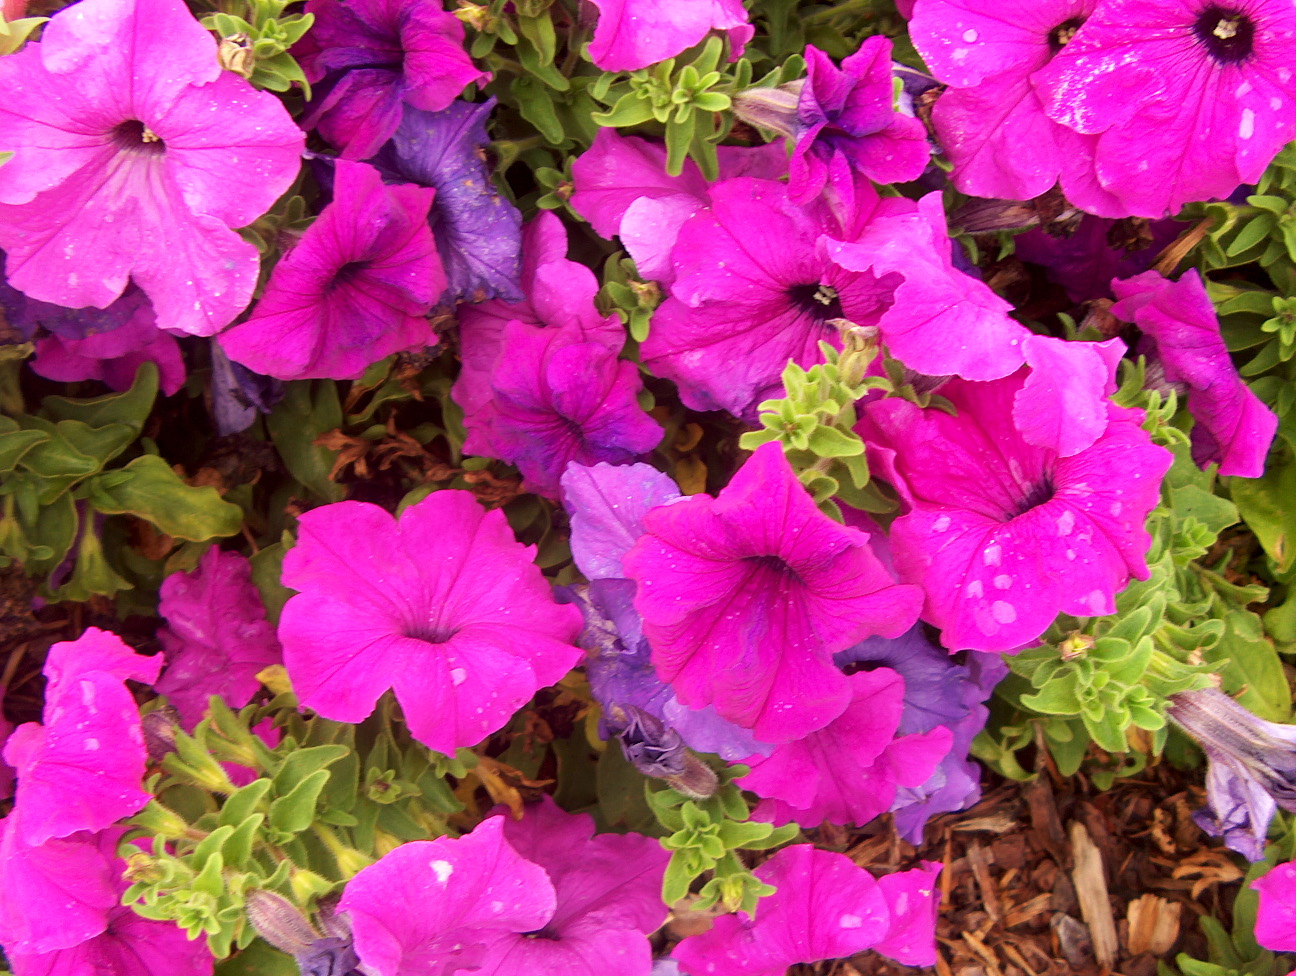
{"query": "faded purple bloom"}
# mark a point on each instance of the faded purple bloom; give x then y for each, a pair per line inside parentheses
(1181, 330)
(216, 638)
(1275, 925)
(633, 34)
(847, 772)
(1167, 138)
(478, 233)
(281, 923)
(1003, 535)
(658, 751)
(846, 120)
(239, 394)
(1251, 771)
(136, 157)
(1085, 260)
(745, 597)
(754, 289)
(622, 188)
(357, 287)
(370, 58)
(825, 907)
(558, 397)
(607, 504)
(991, 122)
(460, 623)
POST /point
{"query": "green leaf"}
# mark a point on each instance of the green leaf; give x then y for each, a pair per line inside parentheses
(155, 493)
(829, 442)
(295, 812)
(1252, 670)
(267, 567)
(245, 803)
(308, 409)
(1266, 505)
(15, 442)
(130, 407)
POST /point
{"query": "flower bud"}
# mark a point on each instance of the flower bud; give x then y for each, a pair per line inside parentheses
(774, 109)
(658, 751)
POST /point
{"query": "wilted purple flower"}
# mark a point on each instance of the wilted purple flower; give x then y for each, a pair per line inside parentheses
(746, 597)
(1167, 138)
(632, 34)
(239, 394)
(136, 156)
(658, 751)
(357, 287)
(1251, 771)
(478, 233)
(1181, 330)
(370, 58)
(281, 923)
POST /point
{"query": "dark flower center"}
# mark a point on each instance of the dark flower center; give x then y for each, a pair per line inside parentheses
(429, 634)
(1227, 33)
(1061, 35)
(1037, 495)
(349, 272)
(820, 302)
(134, 136)
(774, 566)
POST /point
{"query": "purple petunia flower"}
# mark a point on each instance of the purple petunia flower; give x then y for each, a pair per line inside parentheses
(216, 638)
(357, 287)
(1169, 137)
(1085, 260)
(847, 772)
(620, 185)
(825, 907)
(1275, 924)
(1001, 534)
(607, 504)
(81, 769)
(478, 233)
(558, 398)
(991, 122)
(371, 58)
(136, 157)
(1182, 332)
(745, 597)
(754, 289)
(633, 34)
(459, 621)
(239, 394)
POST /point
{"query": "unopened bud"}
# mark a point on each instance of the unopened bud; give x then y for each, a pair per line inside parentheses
(235, 54)
(774, 109)
(159, 729)
(658, 751)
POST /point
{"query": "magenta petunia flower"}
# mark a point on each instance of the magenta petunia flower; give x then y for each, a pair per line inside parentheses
(557, 398)
(991, 122)
(1275, 925)
(846, 120)
(1181, 331)
(1169, 137)
(1063, 404)
(357, 287)
(135, 157)
(746, 596)
(632, 34)
(95, 650)
(430, 908)
(825, 907)
(458, 620)
(130, 945)
(369, 58)
(620, 185)
(754, 289)
(216, 636)
(1003, 535)
(847, 772)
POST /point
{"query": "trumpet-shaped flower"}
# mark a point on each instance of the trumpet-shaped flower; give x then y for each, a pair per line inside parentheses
(745, 597)
(136, 156)
(632, 34)
(444, 605)
(1275, 926)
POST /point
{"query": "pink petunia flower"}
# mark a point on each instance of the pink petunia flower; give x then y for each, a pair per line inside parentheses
(1189, 98)
(369, 58)
(825, 907)
(1275, 925)
(745, 597)
(135, 157)
(216, 638)
(129, 945)
(1181, 332)
(558, 398)
(1003, 535)
(847, 772)
(633, 34)
(357, 287)
(443, 605)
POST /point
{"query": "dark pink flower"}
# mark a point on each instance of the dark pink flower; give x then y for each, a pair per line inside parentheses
(1169, 137)
(357, 287)
(825, 907)
(1003, 535)
(136, 156)
(1063, 404)
(369, 58)
(1275, 925)
(633, 34)
(745, 597)
(1085, 260)
(129, 945)
(457, 619)
(216, 636)
(1182, 332)
(557, 398)
(847, 772)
